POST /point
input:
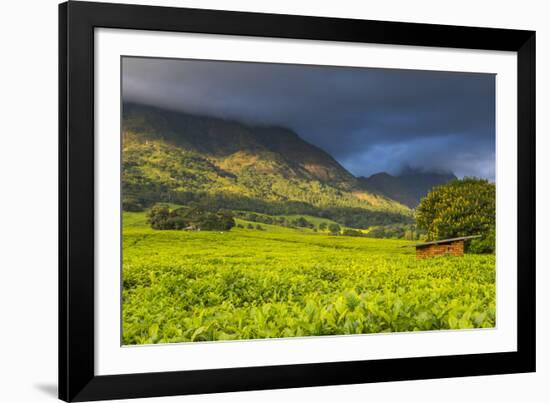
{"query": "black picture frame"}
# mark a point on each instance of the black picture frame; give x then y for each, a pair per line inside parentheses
(77, 21)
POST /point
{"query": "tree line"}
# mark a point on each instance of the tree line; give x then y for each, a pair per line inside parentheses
(161, 217)
(458, 208)
(348, 216)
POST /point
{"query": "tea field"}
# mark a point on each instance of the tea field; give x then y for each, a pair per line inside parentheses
(184, 286)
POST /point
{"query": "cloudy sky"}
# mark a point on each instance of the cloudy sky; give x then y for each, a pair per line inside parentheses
(370, 120)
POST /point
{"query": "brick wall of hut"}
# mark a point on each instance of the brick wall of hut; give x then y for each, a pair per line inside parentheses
(455, 248)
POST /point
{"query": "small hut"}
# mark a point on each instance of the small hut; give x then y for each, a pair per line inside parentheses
(452, 246)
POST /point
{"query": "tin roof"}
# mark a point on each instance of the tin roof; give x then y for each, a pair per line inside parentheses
(461, 238)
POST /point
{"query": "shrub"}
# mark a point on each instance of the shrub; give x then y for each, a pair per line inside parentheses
(334, 229)
(158, 216)
(131, 204)
(302, 223)
(352, 232)
(485, 244)
(219, 221)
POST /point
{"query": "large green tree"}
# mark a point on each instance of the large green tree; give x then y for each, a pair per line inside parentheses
(460, 208)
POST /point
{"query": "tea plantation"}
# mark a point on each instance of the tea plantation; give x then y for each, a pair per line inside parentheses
(248, 283)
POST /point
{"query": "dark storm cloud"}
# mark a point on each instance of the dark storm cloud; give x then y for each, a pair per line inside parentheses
(370, 120)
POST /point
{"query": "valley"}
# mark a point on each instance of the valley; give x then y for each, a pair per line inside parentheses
(173, 157)
(233, 231)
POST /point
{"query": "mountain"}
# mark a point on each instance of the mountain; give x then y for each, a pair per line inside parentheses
(408, 187)
(180, 157)
(236, 146)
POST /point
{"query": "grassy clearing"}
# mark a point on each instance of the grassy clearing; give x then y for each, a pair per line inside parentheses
(183, 286)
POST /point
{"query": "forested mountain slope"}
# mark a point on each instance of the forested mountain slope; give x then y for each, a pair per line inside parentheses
(179, 157)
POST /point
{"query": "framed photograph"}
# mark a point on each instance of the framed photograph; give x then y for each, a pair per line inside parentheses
(257, 201)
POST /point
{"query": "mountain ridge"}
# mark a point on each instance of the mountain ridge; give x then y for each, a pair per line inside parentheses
(200, 133)
(408, 187)
(181, 157)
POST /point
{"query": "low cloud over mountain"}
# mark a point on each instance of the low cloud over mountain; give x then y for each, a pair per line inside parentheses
(369, 120)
